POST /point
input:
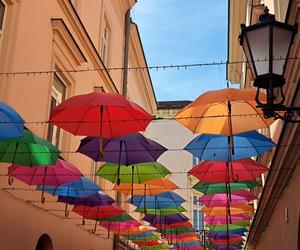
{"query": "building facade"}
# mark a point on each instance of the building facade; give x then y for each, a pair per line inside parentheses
(77, 43)
(276, 224)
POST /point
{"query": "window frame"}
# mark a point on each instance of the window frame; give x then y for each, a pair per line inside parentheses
(104, 47)
(2, 27)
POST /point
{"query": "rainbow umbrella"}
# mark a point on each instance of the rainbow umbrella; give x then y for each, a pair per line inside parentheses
(222, 200)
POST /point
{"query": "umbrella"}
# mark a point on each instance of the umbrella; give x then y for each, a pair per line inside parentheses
(163, 200)
(228, 241)
(221, 235)
(219, 220)
(240, 231)
(99, 114)
(215, 147)
(11, 123)
(142, 236)
(135, 230)
(79, 188)
(175, 225)
(126, 150)
(93, 200)
(60, 173)
(227, 111)
(97, 212)
(221, 200)
(29, 150)
(239, 225)
(228, 247)
(165, 219)
(151, 187)
(217, 188)
(162, 211)
(217, 171)
(137, 173)
(240, 209)
(180, 230)
(149, 243)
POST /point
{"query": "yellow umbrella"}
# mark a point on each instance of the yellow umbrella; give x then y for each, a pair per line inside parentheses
(223, 211)
(227, 111)
(151, 187)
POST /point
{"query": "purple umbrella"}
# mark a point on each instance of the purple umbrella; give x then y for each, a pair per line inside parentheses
(223, 235)
(126, 150)
(98, 199)
(228, 248)
(165, 219)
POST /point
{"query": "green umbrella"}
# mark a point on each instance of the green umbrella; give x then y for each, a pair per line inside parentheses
(154, 247)
(162, 211)
(148, 238)
(179, 230)
(28, 150)
(218, 188)
(122, 217)
(137, 173)
(237, 225)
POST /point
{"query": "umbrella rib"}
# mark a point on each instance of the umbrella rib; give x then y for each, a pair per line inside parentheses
(109, 121)
(45, 148)
(81, 120)
(31, 180)
(29, 153)
(137, 120)
(263, 120)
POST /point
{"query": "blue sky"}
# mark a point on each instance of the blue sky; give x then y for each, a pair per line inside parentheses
(183, 32)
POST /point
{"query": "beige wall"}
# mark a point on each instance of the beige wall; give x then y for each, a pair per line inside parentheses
(32, 40)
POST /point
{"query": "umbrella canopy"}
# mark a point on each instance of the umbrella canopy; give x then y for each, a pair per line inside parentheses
(119, 225)
(149, 243)
(126, 150)
(29, 150)
(175, 225)
(98, 212)
(151, 187)
(225, 247)
(97, 199)
(11, 123)
(240, 231)
(180, 230)
(226, 235)
(219, 188)
(165, 219)
(135, 230)
(216, 147)
(60, 173)
(179, 236)
(240, 225)
(222, 200)
(240, 209)
(82, 187)
(100, 114)
(227, 111)
(219, 220)
(162, 211)
(218, 171)
(163, 200)
(227, 241)
(142, 236)
(137, 173)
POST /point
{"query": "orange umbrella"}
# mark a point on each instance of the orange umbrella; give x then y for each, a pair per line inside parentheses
(136, 230)
(223, 211)
(151, 187)
(227, 111)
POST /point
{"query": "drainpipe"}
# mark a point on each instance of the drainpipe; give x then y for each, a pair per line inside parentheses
(124, 93)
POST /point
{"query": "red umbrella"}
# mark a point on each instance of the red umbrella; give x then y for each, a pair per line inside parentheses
(174, 225)
(218, 171)
(227, 241)
(98, 212)
(100, 114)
(149, 243)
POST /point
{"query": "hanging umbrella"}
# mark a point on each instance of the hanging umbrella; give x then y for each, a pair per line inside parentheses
(221, 200)
(137, 173)
(218, 188)
(179, 236)
(11, 123)
(100, 114)
(162, 211)
(60, 173)
(239, 225)
(227, 111)
(216, 234)
(228, 241)
(93, 200)
(126, 150)
(142, 236)
(79, 188)
(219, 220)
(151, 187)
(150, 243)
(228, 247)
(163, 200)
(154, 247)
(240, 209)
(221, 235)
(28, 150)
(217, 171)
(178, 231)
(215, 147)
(165, 219)
(175, 225)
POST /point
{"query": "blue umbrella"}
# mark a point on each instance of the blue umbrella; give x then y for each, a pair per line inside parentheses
(80, 188)
(187, 244)
(163, 200)
(11, 123)
(216, 147)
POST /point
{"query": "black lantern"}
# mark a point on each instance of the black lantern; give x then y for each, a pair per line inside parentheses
(266, 45)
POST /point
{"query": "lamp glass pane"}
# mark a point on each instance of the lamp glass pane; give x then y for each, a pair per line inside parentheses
(259, 46)
(248, 57)
(281, 43)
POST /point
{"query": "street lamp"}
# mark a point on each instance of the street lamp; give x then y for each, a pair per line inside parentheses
(266, 45)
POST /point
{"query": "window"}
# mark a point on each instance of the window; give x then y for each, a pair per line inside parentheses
(200, 227)
(195, 200)
(105, 43)
(57, 96)
(195, 160)
(44, 243)
(195, 218)
(2, 12)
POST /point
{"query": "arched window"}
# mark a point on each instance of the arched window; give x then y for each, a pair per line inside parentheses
(44, 243)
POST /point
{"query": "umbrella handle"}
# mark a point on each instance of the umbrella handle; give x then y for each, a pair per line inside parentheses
(101, 151)
(43, 197)
(66, 210)
(83, 221)
(95, 228)
(10, 180)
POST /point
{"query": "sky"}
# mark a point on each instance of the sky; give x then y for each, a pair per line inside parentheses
(183, 32)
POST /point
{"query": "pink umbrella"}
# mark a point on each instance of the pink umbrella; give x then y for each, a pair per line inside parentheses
(119, 225)
(179, 236)
(222, 200)
(220, 220)
(54, 175)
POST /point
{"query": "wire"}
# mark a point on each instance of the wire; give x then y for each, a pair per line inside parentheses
(157, 67)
